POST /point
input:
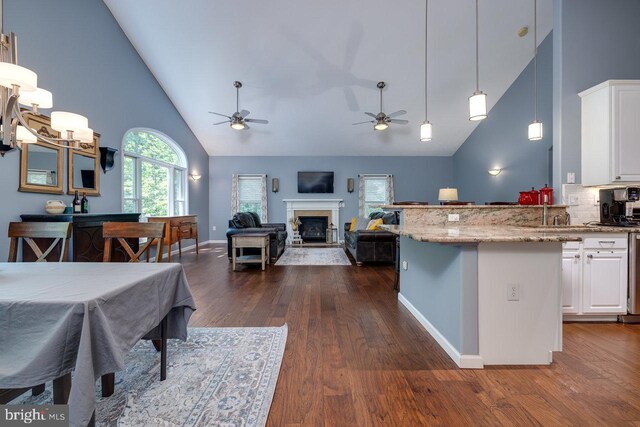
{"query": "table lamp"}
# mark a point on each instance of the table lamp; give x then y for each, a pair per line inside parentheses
(448, 194)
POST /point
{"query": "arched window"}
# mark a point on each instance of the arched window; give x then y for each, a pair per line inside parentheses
(154, 174)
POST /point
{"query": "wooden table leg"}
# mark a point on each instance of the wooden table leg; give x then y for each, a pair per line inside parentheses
(108, 384)
(61, 389)
(163, 353)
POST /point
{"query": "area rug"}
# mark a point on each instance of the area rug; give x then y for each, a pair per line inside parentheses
(219, 376)
(313, 256)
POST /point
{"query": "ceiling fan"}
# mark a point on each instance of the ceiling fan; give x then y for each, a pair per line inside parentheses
(238, 119)
(382, 120)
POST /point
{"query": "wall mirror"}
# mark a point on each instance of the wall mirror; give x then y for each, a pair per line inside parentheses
(83, 173)
(41, 163)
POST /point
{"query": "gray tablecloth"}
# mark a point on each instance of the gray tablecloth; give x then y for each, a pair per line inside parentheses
(56, 318)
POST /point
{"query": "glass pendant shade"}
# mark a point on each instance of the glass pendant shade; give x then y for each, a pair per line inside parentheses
(12, 74)
(426, 131)
(23, 135)
(535, 131)
(42, 98)
(237, 125)
(381, 125)
(478, 106)
(83, 135)
(63, 122)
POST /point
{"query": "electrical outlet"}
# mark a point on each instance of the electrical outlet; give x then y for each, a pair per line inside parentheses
(513, 292)
(213, 228)
(454, 217)
(405, 265)
(573, 200)
(571, 178)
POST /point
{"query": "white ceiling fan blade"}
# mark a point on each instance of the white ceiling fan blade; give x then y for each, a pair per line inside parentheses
(396, 114)
(218, 114)
(361, 123)
(261, 121)
(243, 113)
(371, 114)
(219, 123)
(400, 122)
(246, 126)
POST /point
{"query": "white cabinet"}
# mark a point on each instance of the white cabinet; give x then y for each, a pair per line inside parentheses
(604, 288)
(594, 275)
(610, 133)
(571, 280)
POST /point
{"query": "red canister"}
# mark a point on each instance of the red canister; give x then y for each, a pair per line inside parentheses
(546, 192)
(535, 196)
(525, 198)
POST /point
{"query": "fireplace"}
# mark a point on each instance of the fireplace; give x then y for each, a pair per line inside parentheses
(313, 228)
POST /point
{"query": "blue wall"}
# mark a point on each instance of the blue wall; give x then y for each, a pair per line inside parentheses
(501, 140)
(82, 56)
(415, 178)
(594, 41)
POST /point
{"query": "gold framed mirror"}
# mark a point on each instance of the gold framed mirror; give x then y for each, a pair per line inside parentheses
(83, 170)
(40, 162)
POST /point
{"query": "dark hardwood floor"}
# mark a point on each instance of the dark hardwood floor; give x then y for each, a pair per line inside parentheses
(355, 356)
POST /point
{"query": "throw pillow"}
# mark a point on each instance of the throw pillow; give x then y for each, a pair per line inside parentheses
(361, 223)
(376, 215)
(245, 220)
(390, 218)
(374, 224)
(352, 226)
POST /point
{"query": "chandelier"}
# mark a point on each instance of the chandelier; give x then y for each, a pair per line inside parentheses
(19, 86)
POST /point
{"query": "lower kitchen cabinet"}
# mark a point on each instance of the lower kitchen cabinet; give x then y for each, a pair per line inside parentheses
(594, 275)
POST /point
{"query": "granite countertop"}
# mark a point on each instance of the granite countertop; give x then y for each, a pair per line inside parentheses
(391, 207)
(583, 228)
(480, 233)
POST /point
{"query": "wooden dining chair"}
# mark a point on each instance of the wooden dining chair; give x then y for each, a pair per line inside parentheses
(121, 231)
(29, 231)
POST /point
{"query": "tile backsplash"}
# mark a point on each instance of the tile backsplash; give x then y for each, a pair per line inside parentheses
(583, 203)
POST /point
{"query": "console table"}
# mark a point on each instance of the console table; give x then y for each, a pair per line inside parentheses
(86, 239)
(178, 228)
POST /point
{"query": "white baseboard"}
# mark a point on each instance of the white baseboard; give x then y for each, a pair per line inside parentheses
(465, 361)
(589, 317)
(187, 248)
(217, 241)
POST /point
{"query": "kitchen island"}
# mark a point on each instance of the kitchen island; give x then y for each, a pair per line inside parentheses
(488, 294)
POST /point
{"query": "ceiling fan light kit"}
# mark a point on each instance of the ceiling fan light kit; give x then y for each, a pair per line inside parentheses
(381, 120)
(238, 120)
(477, 101)
(535, 130)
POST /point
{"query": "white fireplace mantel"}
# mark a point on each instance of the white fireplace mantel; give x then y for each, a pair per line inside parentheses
(293, 205)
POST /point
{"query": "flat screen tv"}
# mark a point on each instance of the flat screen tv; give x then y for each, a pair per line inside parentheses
(315, 182)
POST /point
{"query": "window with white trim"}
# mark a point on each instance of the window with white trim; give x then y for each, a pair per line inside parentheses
(375, 193)
(154, 174)
(250, 194)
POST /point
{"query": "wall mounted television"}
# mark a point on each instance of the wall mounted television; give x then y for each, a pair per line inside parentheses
(315, 182)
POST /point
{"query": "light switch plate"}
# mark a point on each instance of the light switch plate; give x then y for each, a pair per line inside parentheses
(571, 177)
(574, 200)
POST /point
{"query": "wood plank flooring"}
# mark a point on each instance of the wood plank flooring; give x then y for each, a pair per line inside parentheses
(356, 357)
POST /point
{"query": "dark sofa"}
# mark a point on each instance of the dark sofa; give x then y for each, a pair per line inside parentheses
(372, 245)
(249, 222)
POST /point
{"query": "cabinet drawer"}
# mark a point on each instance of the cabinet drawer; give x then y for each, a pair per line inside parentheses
(605, 243)
(571, 246)
(185, 231)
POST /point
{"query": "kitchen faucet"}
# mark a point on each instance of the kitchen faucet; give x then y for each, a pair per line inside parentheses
(545, 211)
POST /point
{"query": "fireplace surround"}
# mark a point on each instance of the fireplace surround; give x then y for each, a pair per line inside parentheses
(312, 207)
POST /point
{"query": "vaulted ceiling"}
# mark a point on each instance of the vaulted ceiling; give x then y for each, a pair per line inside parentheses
(311, 68)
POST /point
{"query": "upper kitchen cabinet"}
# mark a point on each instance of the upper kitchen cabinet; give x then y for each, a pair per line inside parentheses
(611, 133)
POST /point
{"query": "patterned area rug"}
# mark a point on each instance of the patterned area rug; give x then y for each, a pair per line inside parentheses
(313, 256)
(219, 376)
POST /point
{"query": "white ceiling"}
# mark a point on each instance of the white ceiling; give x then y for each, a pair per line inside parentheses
(311, 68)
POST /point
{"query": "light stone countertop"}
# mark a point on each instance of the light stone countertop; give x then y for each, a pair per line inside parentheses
(481, 233)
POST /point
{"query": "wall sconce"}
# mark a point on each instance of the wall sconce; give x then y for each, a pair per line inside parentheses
(195, 176)
(107, 158)
(275, 185)
(350, 185)
(494, 171)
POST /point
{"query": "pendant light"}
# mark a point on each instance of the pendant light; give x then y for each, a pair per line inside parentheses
(535, 128)
(477, 101)
(426, 131)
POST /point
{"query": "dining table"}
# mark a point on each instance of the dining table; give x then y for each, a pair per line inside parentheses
(81, 319)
